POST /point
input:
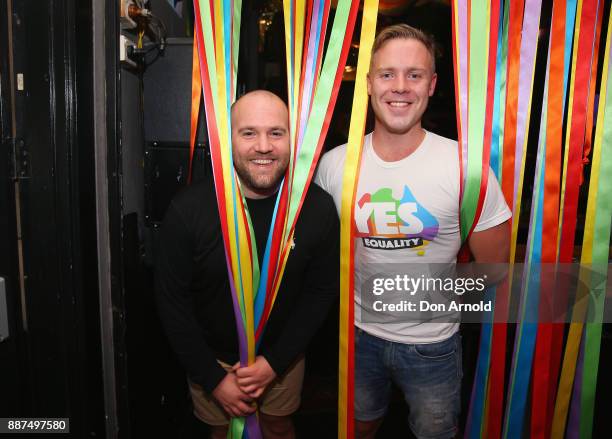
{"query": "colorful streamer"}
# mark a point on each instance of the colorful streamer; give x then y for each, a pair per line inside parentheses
(216, 42)
(475, 114)
(310, 107)
(492, 424)
(581, 75)
(549, 337)
(349, 190)
(475, 64)
(483, 103)
(595, 251)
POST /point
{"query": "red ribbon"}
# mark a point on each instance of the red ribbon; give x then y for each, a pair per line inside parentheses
(497, 367)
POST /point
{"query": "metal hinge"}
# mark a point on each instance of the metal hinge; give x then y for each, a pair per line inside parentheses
(20, 159)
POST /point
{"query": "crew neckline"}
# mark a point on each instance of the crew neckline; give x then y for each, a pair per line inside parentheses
(369, 149)
(264, 200)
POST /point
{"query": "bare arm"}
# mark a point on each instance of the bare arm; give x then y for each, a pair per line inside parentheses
(491, 245)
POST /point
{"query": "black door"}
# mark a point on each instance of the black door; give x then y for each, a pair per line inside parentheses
(50, 362)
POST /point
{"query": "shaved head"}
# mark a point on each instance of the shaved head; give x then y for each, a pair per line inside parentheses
(257, 96)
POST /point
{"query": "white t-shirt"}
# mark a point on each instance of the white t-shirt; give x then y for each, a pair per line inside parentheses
(407, 211)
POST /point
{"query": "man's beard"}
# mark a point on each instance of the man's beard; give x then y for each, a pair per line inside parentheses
(261, 183)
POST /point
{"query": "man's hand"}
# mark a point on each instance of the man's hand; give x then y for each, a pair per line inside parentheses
(233, 400)
(254, 379)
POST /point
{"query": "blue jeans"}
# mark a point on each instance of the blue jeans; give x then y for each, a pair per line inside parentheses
(429, 376)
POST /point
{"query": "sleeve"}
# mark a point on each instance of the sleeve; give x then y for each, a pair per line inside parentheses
(495, 210)
(329, 174)
(173, 274)
(318, 294)
(322, 175)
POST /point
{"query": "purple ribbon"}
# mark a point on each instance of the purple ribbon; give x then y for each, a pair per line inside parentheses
(573, 425)
(529, 42)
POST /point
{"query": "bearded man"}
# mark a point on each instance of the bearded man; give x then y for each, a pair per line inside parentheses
(193, 291)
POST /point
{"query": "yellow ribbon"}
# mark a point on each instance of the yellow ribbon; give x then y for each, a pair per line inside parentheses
(349, 187)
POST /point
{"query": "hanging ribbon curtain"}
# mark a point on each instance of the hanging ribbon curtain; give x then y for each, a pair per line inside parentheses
(475, 64)
(585, 32)
(517, 120)
(499, 98)
(493, 340)
(550, 336)
(594, 250)
(216, 38)
(597, 238)
(312, 96)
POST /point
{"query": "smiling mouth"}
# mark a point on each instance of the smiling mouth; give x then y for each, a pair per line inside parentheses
(399, 104)
(262, 162)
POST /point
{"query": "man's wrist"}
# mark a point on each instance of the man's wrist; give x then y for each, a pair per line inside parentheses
(210, 379)
(269, 366)
(272, 362)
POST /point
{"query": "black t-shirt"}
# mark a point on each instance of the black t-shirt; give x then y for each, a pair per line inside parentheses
(193, 294)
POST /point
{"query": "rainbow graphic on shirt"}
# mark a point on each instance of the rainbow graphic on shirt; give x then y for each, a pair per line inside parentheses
(386, 223)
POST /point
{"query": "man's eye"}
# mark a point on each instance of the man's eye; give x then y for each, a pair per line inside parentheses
(386, 75)
(277, 133)
(248, 133)
(415, 76)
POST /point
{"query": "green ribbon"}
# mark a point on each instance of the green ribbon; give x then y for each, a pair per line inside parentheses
(600, 252)
(478, 66)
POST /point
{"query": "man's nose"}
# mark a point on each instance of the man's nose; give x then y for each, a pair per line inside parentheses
(400, 85)
(263, 145)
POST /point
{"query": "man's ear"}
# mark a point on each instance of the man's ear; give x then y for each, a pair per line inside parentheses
(432, 84)
(369, 81)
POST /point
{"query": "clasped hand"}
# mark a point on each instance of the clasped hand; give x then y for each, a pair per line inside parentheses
(254, 379)
(242, 385)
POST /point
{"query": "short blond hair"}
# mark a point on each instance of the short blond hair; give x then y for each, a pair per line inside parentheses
(404, 31)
